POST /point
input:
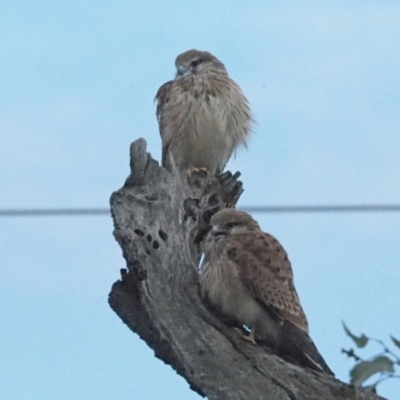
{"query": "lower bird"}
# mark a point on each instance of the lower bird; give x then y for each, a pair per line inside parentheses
(203, 115)
(246, 277)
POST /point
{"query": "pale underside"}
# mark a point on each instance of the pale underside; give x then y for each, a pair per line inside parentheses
(199, 125)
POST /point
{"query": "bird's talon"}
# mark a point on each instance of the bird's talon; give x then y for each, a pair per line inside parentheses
(201, 172)
(248, 337)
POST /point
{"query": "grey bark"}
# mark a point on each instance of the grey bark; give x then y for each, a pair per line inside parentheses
(159, 222)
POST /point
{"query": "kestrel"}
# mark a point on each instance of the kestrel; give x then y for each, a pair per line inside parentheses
(202, 114)
(246, 277)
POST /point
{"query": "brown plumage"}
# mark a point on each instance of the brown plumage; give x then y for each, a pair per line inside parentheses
(203, 115)
(247, 278)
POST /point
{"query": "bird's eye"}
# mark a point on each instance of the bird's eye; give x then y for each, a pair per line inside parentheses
(231, 224)
(195, 63)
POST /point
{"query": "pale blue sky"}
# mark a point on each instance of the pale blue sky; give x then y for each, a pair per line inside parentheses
(77, 85)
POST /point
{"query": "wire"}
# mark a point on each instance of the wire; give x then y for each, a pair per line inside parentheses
(324, 208)
(69, 212)
(54, 212)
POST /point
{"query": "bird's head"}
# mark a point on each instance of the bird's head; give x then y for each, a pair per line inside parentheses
(194, 62)
(231, 222)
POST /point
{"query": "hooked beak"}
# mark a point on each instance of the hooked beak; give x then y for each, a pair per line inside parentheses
(216, 232)
(181, 70)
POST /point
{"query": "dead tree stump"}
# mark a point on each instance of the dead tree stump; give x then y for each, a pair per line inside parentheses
(159, 223)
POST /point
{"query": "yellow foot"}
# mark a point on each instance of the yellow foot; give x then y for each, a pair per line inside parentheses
(249, 338)
(202, 172)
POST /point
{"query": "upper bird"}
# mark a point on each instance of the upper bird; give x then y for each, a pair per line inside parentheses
(202, 114)
(247, 278)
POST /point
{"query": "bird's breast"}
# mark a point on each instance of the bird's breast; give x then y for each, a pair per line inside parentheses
(203, 124)
(221, 285)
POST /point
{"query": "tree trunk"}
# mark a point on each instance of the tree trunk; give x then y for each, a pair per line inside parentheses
(160, 221)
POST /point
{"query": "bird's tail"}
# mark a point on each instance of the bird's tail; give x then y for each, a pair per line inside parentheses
(297, 345)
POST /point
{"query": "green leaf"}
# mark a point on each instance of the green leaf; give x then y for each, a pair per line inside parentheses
(395, 341)
(364, 370)
(359, 341)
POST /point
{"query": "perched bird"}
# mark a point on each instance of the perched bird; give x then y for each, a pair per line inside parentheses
(202, 114)
(247, 279)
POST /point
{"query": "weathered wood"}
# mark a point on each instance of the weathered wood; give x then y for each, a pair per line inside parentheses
(159, 222)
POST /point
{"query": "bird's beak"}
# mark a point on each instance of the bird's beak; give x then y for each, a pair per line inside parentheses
(216, 231)
(181, 70)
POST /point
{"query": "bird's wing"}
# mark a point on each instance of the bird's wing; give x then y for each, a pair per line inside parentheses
(297, 345)
(163, 98)
(239, 119)
(266, 272)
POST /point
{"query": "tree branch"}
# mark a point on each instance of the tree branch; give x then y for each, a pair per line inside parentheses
(159, 223)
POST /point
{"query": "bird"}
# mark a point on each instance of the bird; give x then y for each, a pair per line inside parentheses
(247, 279)
(203, 115)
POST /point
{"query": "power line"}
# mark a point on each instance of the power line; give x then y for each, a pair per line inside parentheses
(69, 212)
(53, 212)
(324, 208)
